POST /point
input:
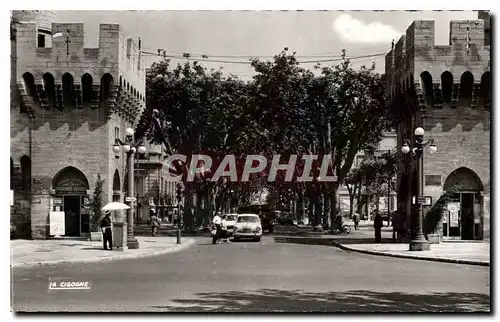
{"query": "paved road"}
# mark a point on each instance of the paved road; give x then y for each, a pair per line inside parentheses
(258, 277)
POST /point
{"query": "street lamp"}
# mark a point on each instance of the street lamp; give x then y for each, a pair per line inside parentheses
(130, 148)
(418, 242)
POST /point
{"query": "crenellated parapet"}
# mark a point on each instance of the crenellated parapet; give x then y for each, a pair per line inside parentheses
(452, 76)
(64, 74)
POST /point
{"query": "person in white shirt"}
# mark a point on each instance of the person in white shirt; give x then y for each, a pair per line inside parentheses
(217, 222)
(224, 233)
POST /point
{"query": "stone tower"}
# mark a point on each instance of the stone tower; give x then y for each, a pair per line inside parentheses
(445, 90)
(68, 106)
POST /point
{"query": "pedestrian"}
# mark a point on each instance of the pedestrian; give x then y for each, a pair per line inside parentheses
(356, 218)
(395, 225)
(155, 222)
(378, 224)
(106, 231)
(217, 222)
(224, 232)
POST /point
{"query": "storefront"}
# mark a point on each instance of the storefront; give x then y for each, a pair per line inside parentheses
(71, 197)
(463, 217)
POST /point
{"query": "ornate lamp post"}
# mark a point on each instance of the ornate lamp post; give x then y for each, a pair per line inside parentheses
(418, 242)
(130, 148)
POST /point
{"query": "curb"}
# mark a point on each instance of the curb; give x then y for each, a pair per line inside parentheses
(432, 259)
(176, 248)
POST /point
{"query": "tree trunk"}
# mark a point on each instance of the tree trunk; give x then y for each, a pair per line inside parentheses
(333, 198)
(189, 207)
(303, 205)
(327, 209)
(351, 204)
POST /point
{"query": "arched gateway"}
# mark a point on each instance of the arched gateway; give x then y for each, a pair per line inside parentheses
(464, 218)
(71, 186)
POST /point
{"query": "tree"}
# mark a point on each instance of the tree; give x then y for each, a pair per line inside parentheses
(352, 102)
(96, 204)
(354, 182)
(192, 110)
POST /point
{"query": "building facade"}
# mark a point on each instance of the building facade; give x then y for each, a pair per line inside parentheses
(446, 91)
(68, 106)
(387, 202)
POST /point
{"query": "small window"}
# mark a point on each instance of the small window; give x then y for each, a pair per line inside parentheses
(117, 133)
(41, 41)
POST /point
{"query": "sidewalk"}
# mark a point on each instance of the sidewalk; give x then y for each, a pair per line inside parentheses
(33, 253)
(362, 241)
(473, 253)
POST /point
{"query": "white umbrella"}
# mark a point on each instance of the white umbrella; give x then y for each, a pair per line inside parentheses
(115, 206)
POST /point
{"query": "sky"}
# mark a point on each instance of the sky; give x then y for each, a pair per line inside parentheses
(313, 35)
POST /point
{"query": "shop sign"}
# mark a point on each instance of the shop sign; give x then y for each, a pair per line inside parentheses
(71, 187)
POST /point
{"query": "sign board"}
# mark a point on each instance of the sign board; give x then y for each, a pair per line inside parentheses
(422, 200)
(454, 209)
(129, 199)
(58, 201)
(57, 223)
(432, 180)
(71, 186)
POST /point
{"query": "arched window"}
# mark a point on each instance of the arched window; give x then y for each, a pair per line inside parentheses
(446, 86)
(106, 87)
(26, 175)
(29, 88)
(121, 81)
(466, 83)
(426, 82)
(50, 89)
(86, 89)
(29, 85)
(485, 96)
(116, 186)
(68, 90)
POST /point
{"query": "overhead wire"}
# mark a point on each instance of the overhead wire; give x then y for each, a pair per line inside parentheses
(249, 62)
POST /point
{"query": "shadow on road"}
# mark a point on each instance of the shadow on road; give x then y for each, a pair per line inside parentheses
(271, 300)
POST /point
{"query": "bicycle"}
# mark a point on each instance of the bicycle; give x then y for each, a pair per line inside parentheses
(346, 229)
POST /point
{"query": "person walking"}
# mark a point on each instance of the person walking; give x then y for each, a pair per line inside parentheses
(356, 217)
(217, 222)
(395, 225)
(106, 231)
(378, 224)
(155, 222)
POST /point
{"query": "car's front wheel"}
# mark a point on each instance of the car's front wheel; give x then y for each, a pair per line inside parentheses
(257, 239)
(236, 238)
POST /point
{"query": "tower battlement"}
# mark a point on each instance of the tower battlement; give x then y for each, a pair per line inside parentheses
(116, 54)
(415, 52)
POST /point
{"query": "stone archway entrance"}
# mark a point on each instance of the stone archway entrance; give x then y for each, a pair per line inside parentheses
(464, 216)
(71, 186)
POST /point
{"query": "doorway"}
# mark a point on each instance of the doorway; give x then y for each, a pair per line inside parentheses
(467, 218)
(72, 215)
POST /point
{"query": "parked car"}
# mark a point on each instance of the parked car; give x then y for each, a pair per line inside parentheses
(230, 220)
(247, 226)
(266, 215)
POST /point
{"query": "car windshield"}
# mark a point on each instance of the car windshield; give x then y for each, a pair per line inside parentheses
(248, 219)
(231, 218)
